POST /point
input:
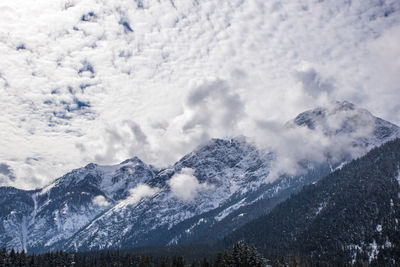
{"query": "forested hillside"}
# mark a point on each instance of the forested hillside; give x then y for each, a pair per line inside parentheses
(352, 215)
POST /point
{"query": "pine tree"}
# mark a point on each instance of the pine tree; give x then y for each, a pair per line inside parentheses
(22, 260)
(178, 261)
(144, 261)
(3, 257)
(205, 263)
(162, 262)
(244, 255)
(32, 261)
(13, 257)
(221, 260)
(235, 256)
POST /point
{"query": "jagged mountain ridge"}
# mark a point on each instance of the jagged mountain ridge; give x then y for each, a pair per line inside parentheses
(233, 189)
(54, 213)
(224, 165)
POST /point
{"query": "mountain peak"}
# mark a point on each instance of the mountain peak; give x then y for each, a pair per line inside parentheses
(220, 149)
(311, 118)
(345, 119)
(91, 166)
(225, 141)
(344, 105)
(133, 160)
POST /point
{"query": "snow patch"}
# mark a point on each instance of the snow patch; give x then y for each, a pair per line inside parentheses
(340, 166)
(189, 230)
(321, 207)
(355, 249)
(230, 209)
(57, 220)
(173, 241)
(374, 251)
(67, 223)
(24, 232)
(388, 244)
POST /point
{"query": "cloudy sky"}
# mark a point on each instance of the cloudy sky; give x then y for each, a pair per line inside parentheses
(104, 80)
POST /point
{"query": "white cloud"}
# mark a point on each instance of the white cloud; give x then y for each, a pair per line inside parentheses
(100, 201)
(185, 186)
(326, 141)
(76, 85)
(139, 192)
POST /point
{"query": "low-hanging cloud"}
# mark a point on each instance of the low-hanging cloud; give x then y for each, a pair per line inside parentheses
(329, 134)
(139, 192)
(100, 201)
(185, 186)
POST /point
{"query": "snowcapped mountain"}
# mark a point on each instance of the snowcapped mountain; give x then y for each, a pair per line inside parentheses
(204, 196)
(37, 220)
(225, 171)
(343, 120)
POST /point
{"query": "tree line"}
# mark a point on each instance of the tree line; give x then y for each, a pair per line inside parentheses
(241, 255)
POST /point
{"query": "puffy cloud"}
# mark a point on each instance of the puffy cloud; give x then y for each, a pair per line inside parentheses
(214, 105)
(100, 201)
(139, 192)
(106, 80)
(383, 85)
(313, 84)
(211, 109)
(185, 186)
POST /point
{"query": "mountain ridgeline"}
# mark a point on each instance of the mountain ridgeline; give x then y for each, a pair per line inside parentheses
(133, 204)
(351, 216)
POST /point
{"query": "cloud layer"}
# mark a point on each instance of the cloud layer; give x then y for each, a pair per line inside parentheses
(101, 81)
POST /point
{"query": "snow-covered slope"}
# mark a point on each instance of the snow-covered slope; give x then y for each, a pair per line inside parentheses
(204, 196)
(15, 207)
(48, 216)
(220, 169)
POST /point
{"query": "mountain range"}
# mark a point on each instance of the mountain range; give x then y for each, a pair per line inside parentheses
(205, 196)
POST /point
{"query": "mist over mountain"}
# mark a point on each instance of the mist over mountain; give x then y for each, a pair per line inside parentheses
(203, 197)
(350, 216)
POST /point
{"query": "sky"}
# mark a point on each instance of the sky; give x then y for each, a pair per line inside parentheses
(101, 81)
